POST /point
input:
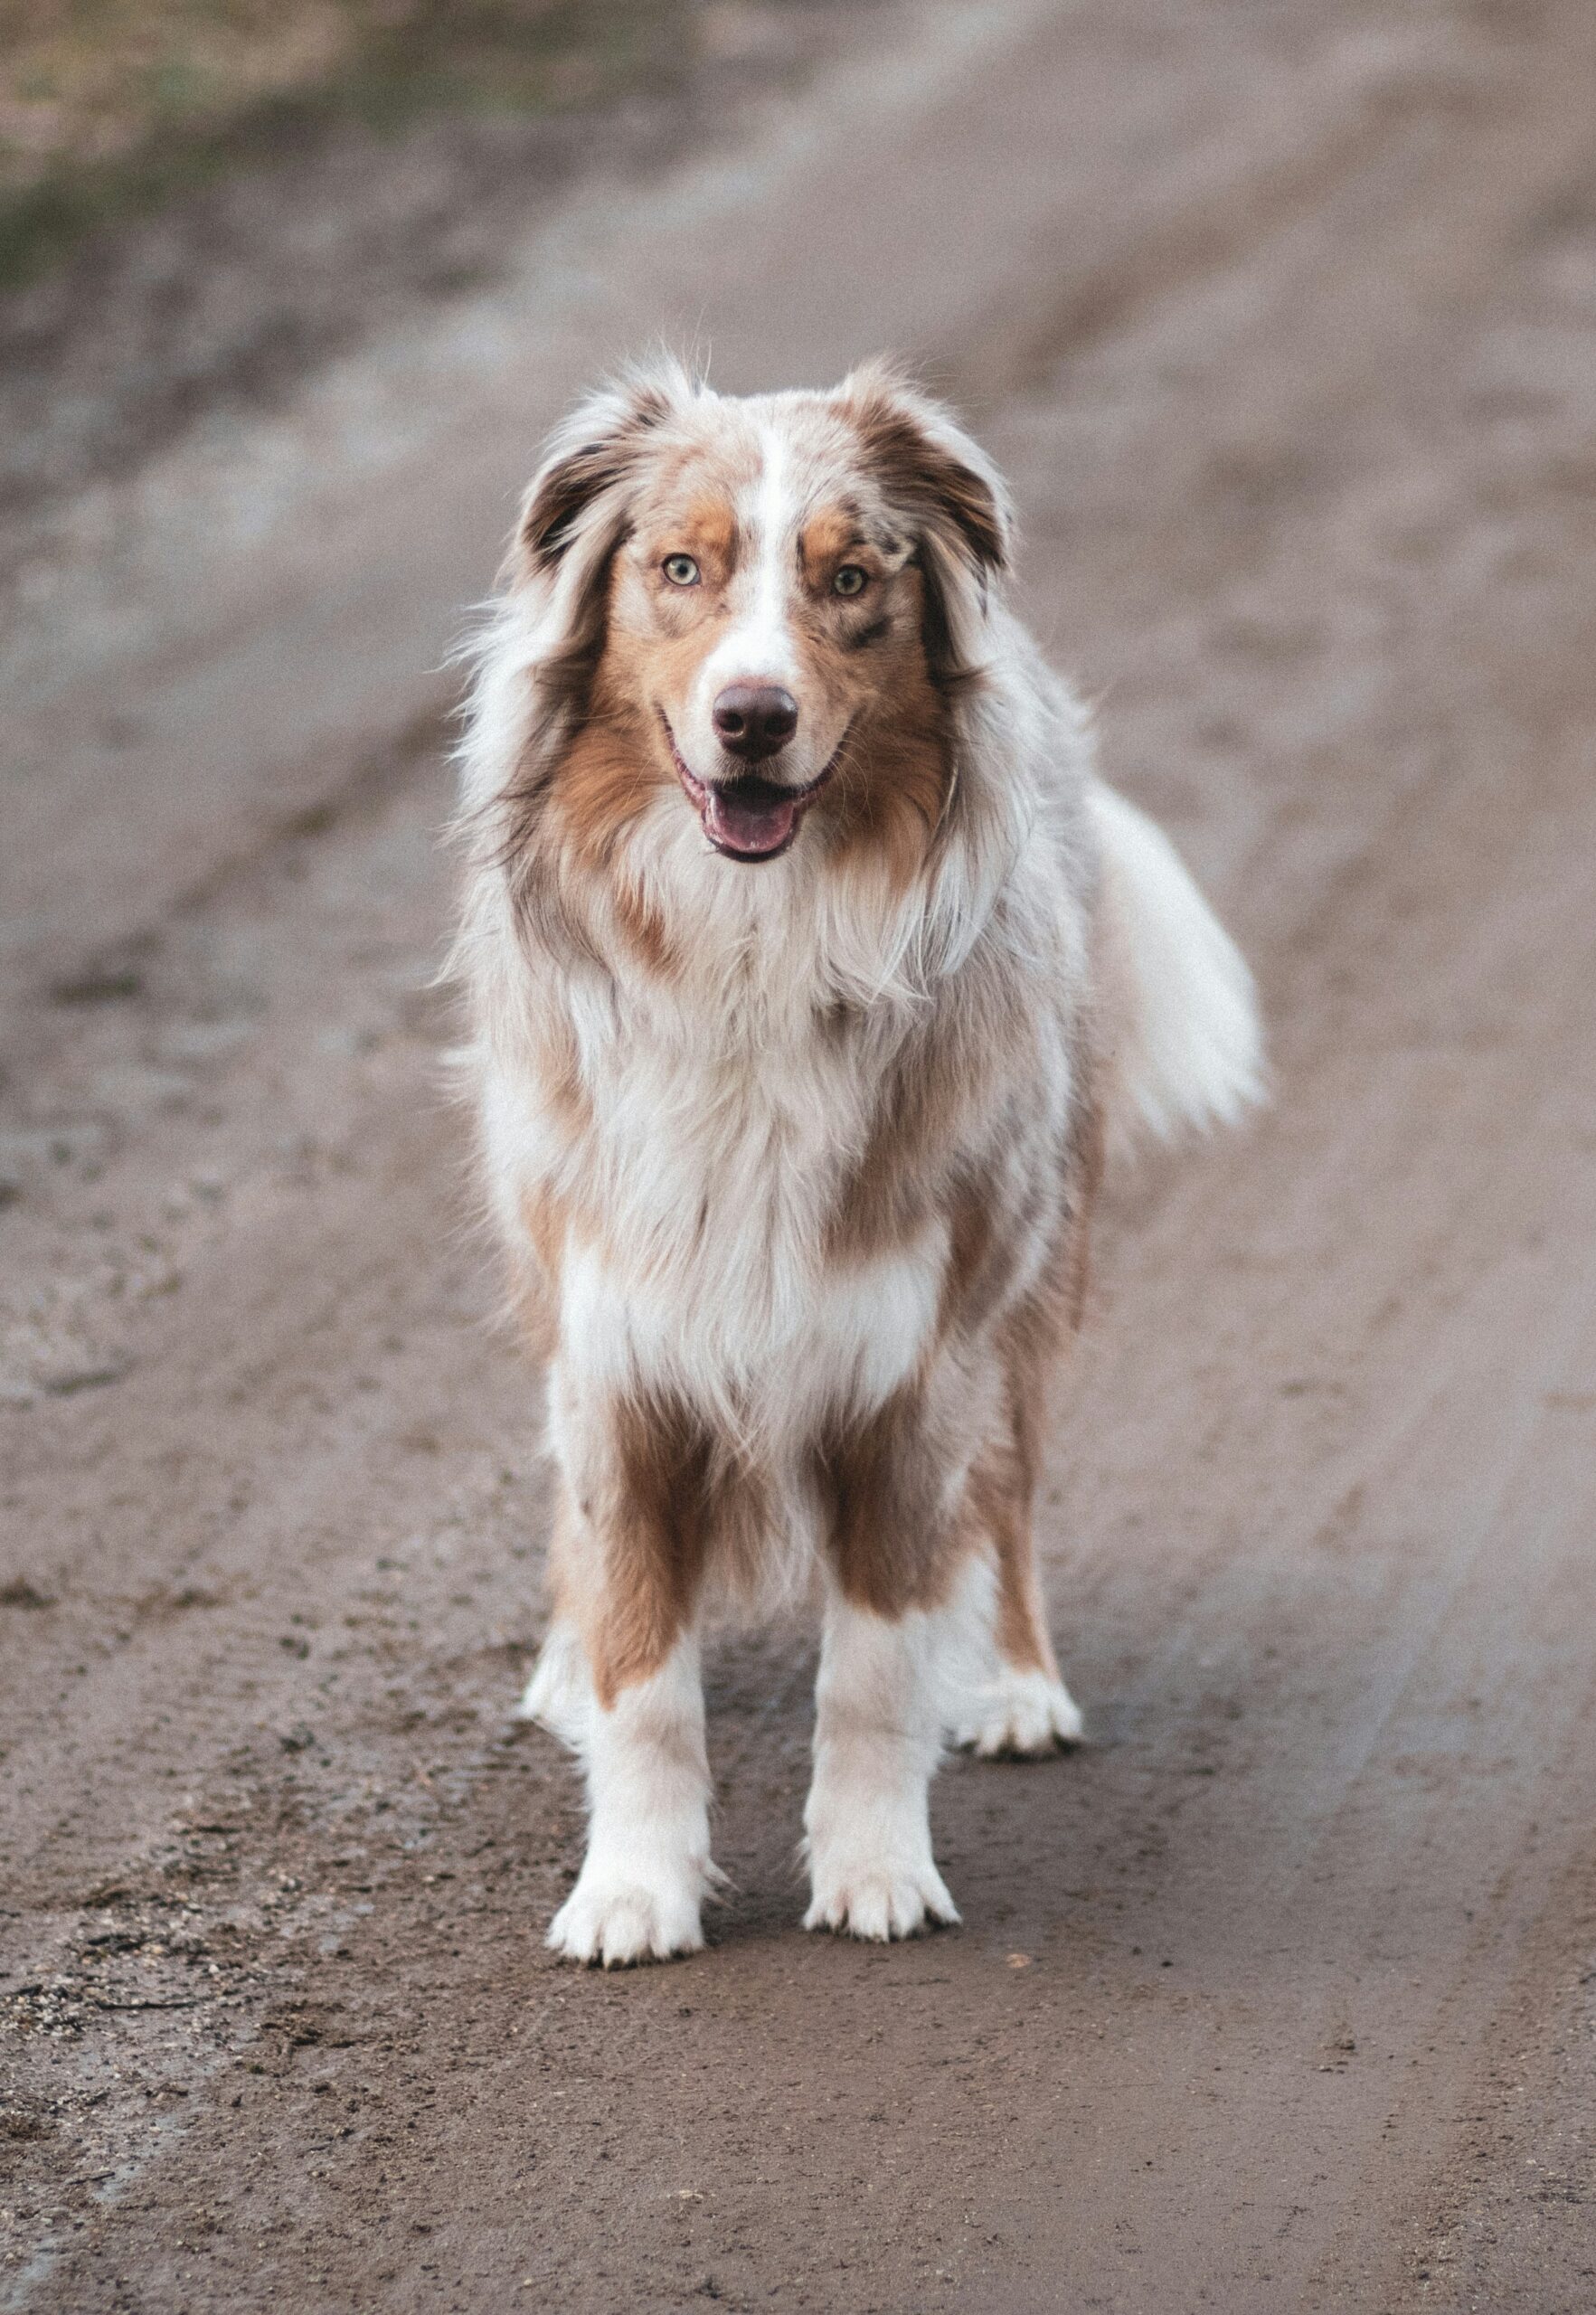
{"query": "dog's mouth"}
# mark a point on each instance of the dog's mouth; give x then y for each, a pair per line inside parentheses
(748, 818)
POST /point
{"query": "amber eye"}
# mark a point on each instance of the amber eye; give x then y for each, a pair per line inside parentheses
(850, 580)
(680, 570)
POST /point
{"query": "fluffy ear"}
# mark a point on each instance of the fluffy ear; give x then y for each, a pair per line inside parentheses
(590, 454)
(953, 499)
(573, 519)
(575, 513)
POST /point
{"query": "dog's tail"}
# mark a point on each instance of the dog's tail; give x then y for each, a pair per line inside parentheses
(1182, 1043)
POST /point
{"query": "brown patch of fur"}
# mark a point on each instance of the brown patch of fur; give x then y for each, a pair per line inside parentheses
(1000, 1505)
(543, 1219)
(537, 1273)
(605, 782)
(900, 1178)
(651, 1530)
(660, 670)
(706, 529)
(557, 1070)
(827, 540)
(887, 1197)
(1021, 1630)
(972, 1228)
(619, 762)
(893, 787)
(894, 1546)
(894, 778)
(984, 1247)
(628, 1564)
(643, 928)
(1003, 1484)
(1087, 1152)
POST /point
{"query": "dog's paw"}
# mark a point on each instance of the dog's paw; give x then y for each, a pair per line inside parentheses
(1019, 1715)
(615, 1921)
(880, 1901)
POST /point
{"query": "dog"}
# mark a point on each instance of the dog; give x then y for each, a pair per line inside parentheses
(812, 972)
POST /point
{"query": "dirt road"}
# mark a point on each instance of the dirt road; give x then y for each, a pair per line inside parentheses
(1281, 314)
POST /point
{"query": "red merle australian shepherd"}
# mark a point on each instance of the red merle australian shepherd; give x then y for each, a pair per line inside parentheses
(812, 970)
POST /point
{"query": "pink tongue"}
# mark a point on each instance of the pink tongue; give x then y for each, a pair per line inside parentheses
(753, 824)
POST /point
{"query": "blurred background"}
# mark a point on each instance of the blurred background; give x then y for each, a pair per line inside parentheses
(205, 198)
(1280, 315)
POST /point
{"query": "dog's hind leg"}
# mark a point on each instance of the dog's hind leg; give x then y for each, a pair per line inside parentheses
(1007, 1698)
(1003, 1698)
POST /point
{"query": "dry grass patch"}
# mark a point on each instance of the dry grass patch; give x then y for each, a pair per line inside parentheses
(108, 107)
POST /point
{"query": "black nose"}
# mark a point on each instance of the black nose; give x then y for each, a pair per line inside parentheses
(754, 720)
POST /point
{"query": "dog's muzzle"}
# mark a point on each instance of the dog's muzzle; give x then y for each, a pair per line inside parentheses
(749, 817)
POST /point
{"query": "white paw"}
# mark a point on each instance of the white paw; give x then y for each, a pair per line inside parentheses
(879, 1900)
(617, 1920)
(1019, 1713)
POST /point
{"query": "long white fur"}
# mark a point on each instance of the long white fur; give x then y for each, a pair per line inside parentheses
(757, 648)
(1186, 1048)
(877, 1735)
(640, 1893)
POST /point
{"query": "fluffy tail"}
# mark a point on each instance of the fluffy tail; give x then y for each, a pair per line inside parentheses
(1182, 1041)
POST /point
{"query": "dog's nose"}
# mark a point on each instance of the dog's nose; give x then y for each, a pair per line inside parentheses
(753, 719)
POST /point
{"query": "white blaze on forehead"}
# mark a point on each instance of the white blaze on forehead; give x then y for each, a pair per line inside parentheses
(758, 648)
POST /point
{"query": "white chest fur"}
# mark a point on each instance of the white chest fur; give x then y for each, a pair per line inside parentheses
(704, 1179)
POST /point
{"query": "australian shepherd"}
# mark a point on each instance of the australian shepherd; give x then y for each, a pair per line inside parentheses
(812, 972)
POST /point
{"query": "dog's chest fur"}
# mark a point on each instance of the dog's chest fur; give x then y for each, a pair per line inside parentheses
(708, 1174)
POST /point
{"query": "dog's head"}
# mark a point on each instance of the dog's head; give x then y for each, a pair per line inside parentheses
(771, 605)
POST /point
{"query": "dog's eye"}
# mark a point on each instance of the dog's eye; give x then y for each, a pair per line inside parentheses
(850, 580)
(680, 570)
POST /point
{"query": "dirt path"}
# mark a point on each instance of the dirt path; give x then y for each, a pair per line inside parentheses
(1281, 1995)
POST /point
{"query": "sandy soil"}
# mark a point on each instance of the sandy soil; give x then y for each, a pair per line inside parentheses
(1282, 1993)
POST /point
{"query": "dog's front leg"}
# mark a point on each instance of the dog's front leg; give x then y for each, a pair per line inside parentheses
(876, 1739)
(619, 1681)
(895, 1487)
(640, 1893)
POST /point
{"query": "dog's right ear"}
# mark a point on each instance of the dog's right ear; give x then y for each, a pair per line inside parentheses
(575, 513)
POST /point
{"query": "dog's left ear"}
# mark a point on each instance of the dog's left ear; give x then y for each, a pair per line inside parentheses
(953, 499)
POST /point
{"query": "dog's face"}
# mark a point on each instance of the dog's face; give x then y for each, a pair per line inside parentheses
(763, 605)
(774, 596)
